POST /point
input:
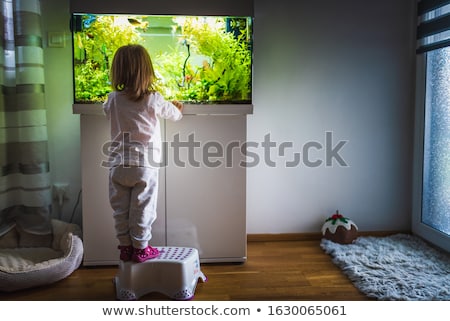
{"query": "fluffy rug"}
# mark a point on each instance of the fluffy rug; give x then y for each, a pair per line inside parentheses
(400, 267)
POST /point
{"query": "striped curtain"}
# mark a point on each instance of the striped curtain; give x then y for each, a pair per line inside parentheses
(25, 189)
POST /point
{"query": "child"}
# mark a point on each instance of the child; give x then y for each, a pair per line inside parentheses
(133, 109)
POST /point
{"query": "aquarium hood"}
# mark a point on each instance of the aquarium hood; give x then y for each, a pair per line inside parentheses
(158, 7)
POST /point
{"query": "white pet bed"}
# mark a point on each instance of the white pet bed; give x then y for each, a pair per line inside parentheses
(28, 260)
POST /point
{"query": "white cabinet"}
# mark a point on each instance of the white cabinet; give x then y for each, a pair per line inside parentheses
(202, 193)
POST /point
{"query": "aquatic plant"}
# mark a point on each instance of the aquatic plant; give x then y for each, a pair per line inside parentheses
(94, 47)
(225, 72)
(210, 63)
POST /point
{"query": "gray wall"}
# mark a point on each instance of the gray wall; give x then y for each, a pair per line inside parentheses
(63, 126)
(344, 67)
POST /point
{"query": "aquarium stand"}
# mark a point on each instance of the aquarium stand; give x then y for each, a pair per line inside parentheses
(202, 195)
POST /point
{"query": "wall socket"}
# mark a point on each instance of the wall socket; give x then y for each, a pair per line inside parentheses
(60, 191)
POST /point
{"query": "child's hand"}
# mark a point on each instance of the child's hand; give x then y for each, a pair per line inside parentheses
(178, 104)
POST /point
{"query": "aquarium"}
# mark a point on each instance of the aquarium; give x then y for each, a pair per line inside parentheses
(197, 59)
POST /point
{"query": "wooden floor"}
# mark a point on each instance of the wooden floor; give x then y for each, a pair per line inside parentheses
(278, 270)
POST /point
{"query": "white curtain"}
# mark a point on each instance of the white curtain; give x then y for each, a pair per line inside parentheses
(25, 189)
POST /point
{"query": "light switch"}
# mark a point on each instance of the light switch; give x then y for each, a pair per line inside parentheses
(56, 39)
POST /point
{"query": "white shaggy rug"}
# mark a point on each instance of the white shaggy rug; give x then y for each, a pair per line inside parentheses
(400, 267)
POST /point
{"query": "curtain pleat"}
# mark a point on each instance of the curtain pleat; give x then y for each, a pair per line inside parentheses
(25, 188)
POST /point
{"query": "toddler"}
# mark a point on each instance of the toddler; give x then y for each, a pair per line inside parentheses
(134, 108)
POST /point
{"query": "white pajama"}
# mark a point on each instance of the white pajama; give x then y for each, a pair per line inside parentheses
(133, 194)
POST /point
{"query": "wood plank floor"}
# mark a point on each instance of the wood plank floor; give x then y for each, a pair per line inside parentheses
(276, 270)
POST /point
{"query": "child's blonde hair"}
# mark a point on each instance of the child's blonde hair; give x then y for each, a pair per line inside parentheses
(132, 71)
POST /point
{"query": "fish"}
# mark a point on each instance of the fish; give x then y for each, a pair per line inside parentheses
(87, 22)
(138, 23)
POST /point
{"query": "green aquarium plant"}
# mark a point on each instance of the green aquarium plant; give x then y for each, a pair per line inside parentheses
(224, 74)
(94, 47)
(206, 60)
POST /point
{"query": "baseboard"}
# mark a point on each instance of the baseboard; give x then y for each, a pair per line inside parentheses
(310, 236)
(283, 237)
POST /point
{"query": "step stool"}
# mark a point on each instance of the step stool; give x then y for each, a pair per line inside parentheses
(174, 273)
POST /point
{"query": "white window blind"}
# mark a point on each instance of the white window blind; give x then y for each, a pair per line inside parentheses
(433, 29)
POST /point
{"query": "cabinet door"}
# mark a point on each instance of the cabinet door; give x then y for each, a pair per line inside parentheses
(206, 186)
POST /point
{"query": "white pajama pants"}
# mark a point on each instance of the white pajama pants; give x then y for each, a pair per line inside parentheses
(133, 194)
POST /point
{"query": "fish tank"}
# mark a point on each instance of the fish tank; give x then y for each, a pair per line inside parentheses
(197, 59)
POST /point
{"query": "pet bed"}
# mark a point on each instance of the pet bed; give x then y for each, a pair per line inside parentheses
(28, 260)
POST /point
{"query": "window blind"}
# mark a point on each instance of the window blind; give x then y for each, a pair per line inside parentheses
(433, 28)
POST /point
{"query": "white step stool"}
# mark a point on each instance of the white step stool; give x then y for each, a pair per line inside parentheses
(174, 273)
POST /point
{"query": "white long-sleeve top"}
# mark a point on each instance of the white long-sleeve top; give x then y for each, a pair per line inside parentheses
(136, 129)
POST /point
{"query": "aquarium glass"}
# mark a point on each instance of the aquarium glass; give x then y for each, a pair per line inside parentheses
(196, 59)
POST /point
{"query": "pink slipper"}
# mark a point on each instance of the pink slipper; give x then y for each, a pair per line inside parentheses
(142, 255)
(126, 252)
